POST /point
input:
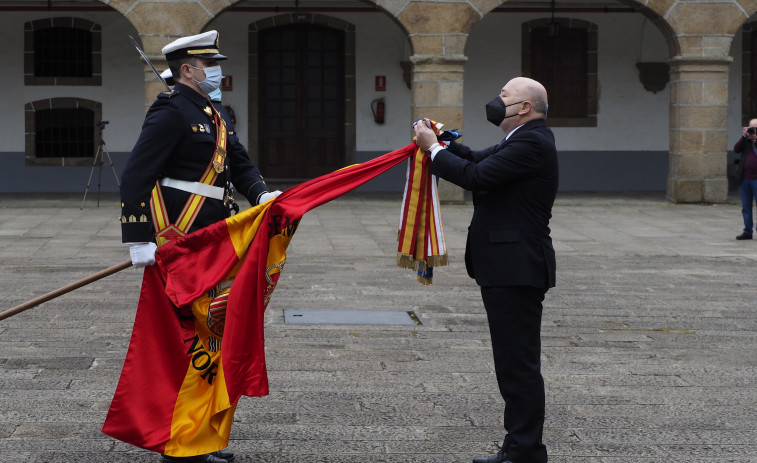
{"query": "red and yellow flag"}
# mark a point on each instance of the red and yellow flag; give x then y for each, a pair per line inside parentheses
(421, 234)
(197, 342)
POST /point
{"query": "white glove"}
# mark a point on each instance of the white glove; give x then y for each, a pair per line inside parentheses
(142, 254)
(268, 196)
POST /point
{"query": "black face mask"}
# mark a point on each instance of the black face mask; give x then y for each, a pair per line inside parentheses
(496, 111)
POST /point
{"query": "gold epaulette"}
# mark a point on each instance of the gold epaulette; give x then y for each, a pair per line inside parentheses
(168, 94)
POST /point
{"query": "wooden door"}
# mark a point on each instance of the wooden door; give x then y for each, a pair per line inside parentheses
(301, 124)
(560, 64)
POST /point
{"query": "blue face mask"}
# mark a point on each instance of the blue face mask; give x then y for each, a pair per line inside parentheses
(213, 76)
(215, 95)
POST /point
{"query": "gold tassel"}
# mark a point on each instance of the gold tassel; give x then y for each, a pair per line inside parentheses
(425, 282)
(404, 261)
(437, 261)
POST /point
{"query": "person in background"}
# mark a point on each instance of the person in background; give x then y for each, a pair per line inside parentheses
(746, 173)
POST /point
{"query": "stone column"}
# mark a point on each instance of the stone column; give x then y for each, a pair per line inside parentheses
(153, 85)
(437, 93)
(159, 22)
(698, 129)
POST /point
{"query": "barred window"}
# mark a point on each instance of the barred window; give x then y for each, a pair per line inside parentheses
(65, 132)
(561, 54)
(62, 51)
(62, 131)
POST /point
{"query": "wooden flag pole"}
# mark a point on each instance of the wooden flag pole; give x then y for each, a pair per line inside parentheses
(66, 289)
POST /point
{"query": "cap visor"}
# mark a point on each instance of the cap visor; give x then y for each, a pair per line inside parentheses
(215, 56)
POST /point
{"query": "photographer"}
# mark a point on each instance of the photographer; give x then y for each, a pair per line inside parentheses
(746, 173)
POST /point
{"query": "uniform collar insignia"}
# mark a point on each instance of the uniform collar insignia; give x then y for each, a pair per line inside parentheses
(207, 110)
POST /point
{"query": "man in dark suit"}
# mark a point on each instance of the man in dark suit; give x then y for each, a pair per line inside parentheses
(509, 250)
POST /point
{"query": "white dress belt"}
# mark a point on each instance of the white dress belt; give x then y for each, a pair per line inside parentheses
(210, 191)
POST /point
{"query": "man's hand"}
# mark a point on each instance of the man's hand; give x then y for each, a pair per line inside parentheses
(268, 196)
(424, 136)
(142, 254)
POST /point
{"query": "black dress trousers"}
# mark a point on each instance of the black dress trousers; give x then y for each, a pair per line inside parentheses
(514, 314)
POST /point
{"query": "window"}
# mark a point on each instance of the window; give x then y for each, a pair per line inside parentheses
(62, 51)
(62, 131)
(561, 54)
(749, 52)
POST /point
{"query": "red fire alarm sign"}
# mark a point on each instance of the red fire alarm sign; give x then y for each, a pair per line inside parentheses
(380, 83)
(227, 84)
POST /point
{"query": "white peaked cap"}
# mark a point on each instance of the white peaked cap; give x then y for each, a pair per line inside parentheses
(167, 75)
(203, 45)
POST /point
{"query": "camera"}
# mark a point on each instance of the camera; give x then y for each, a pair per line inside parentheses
(101, 124)
(751, 130)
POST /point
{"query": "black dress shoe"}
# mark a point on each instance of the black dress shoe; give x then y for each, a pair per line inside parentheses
(207, 458)
(224, 455)
(744, 236)
(500, 457)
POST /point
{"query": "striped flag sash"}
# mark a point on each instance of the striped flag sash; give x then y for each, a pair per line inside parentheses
(421, 233)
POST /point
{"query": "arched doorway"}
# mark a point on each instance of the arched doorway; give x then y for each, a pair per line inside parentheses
(302, 76)
(301, 97)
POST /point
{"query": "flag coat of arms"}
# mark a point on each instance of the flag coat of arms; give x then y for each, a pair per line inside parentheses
(197, 343)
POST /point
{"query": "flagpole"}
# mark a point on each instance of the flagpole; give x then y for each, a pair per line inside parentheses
(66, 289)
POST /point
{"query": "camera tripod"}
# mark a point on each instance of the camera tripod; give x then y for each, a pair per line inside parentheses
(98, 161)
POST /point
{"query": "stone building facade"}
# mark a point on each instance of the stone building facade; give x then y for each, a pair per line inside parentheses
(704, 110)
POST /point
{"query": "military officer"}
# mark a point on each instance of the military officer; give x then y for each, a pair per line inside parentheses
(215, 95)
(179, 154)
(178, 175)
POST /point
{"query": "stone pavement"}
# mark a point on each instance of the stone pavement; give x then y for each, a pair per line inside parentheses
(649, 339)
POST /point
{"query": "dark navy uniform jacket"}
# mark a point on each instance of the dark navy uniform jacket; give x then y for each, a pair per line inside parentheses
(514, 186)
(178, 140)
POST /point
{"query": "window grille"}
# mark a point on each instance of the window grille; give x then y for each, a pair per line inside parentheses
(561, 53)
(64, 132)
(62, 52)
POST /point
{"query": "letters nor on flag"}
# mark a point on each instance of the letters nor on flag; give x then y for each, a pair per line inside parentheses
(199, 322)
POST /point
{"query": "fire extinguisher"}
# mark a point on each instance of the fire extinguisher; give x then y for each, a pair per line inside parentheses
(378, 107)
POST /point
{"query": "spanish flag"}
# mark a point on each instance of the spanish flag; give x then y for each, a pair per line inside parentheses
(197, 343)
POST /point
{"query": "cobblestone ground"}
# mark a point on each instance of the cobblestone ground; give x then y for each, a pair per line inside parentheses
(649, 339)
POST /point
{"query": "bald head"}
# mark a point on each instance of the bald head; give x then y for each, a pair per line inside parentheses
(530, 90)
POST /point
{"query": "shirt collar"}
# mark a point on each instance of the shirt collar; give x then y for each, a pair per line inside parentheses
(513, 131)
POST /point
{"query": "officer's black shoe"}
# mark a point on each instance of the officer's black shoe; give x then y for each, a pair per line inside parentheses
(744, 236)
(224, 454)
(500, 457)
(207, 458)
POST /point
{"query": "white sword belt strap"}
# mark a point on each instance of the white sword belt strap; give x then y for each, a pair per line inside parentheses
(209, 191)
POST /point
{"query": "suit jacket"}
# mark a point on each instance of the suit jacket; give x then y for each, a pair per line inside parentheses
(514, 187)
(741, 147)
(178, 140)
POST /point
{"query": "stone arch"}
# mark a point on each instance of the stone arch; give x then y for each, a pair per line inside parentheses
(655, 11)
(392, 10)
(121, 7)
